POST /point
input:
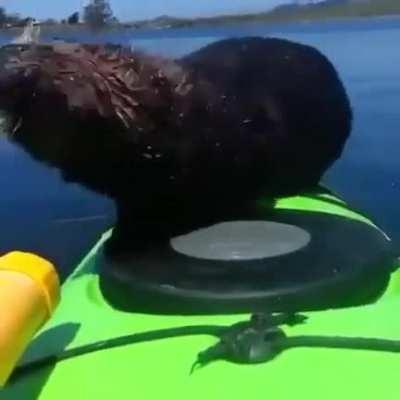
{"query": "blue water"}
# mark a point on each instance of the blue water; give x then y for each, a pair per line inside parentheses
(41, 213)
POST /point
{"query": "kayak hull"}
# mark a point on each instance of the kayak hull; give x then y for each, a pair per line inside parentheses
(157, 369)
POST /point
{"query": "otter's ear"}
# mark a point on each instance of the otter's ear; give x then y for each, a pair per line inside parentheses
(16, 76)
(16, 91)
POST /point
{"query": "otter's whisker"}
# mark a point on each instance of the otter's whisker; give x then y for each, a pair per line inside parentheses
(16, 127)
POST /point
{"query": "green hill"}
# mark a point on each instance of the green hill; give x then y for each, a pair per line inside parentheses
(327, 9)
(335, 9)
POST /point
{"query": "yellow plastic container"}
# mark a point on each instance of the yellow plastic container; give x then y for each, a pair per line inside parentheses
(29, 293)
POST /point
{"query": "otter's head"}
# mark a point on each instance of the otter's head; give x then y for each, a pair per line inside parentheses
(90, 111)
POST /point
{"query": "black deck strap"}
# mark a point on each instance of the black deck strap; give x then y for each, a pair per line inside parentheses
(257, 340)
(212, 330)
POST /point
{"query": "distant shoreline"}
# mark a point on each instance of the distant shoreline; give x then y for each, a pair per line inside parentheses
(59, 29)
(289, 12)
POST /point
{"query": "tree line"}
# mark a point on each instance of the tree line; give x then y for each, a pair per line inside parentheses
(97, 15)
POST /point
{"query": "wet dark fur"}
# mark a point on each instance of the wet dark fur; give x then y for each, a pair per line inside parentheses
(189, 141)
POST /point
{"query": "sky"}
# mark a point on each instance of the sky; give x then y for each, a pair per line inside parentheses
(126, 10)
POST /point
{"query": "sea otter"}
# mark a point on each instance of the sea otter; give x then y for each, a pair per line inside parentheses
(174, 142)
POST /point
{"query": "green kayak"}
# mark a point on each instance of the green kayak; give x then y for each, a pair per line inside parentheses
(328, 335)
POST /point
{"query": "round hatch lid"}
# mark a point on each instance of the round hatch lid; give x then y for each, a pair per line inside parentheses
(294, 261)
